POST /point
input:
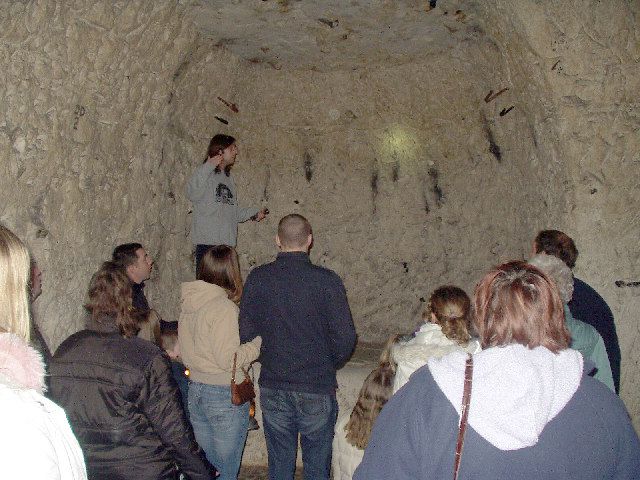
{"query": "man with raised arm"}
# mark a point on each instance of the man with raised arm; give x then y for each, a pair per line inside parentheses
(211, 189)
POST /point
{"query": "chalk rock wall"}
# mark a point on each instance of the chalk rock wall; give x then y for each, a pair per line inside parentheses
(85, 92)
(586, 57)
(413, 175)
(409, 178)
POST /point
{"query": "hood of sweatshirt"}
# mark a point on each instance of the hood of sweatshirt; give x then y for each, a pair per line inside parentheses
(21, 366)
(194, 295)
(515, 390)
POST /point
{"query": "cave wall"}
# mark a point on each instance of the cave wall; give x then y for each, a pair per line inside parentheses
(585, 56)
(85, 93)
(409, 177)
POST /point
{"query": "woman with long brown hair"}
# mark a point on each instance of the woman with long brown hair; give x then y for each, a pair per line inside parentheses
(209, 341)
(119, 394)
(353, 430)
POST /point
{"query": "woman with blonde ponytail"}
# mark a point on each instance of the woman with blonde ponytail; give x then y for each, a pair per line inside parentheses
(446, 329)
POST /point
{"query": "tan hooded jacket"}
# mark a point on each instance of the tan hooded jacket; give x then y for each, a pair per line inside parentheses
(208, 334)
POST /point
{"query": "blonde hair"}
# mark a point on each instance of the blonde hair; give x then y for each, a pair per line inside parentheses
(15, 271)
(376, 390)
(168, 340)
(451, 307)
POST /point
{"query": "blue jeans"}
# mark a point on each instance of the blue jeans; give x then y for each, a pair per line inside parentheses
(219, 426)
(285, 415)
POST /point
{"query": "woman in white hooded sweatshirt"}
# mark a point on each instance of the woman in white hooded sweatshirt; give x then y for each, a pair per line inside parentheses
(209, 338)
(445, 330)
(534, 413)
(36, 441)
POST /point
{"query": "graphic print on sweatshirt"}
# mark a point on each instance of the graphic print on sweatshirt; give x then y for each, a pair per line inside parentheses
(223, 194)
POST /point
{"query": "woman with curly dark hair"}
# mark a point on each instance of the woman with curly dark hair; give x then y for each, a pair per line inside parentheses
(118, 392)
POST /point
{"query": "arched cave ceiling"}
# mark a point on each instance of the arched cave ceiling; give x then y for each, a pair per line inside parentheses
(333, 34)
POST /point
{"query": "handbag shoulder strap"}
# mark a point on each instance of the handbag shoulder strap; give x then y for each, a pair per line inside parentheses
(464, 414)
(233, 370)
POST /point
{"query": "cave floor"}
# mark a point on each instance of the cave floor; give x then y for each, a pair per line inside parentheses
(251, 472)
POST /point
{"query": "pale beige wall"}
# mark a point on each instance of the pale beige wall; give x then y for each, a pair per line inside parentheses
(593, 106)
(394, 127)
(105, 111)
(84, 102)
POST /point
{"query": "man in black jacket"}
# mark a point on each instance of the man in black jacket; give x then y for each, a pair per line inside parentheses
(586, 305)
(301, 312)
(137, 264)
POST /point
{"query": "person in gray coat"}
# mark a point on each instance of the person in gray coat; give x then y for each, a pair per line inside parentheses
(211, 189)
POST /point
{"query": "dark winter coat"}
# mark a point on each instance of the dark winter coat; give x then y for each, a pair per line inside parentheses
(301, 312)
(124, 407)
(587, 305)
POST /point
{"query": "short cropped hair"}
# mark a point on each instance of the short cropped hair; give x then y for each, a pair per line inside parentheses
(110, 300)
(125, 254)
(15, 271)
(517, 303)
(556, 270)
(558, 244)
(451, 307)
(220, 266)
(293, 231)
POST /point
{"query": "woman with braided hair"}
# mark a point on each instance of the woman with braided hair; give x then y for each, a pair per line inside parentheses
(446, 330)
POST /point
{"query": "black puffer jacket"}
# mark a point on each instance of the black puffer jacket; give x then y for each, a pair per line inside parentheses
(124, 407)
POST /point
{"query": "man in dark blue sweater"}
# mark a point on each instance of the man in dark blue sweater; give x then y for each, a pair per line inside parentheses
(301, 312)
(586, 305)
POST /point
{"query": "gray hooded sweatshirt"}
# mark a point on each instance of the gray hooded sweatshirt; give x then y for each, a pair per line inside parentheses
(216, 212)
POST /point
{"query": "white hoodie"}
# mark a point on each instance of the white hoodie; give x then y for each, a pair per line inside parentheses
(515, 390)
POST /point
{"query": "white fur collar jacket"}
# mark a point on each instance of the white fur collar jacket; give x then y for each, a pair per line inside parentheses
(35, 440)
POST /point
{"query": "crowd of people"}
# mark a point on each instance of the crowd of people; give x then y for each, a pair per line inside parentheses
(524, 374)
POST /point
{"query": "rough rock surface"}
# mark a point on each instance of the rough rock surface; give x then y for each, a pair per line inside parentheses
(409, 176)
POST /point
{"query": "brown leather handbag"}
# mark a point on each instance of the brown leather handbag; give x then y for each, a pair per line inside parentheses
(464, 414)
(241, 392)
